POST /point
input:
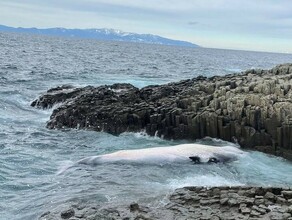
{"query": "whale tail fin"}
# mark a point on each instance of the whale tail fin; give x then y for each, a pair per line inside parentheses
(95, 160)
(64, 167)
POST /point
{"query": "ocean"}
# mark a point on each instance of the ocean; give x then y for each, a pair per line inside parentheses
(31, 155)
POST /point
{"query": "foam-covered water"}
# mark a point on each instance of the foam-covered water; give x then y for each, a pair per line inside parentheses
(31, 155)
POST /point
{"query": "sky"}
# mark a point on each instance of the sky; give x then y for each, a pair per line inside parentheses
(258, 25)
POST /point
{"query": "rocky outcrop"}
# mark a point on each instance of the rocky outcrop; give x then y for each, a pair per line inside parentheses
(194, 203)
(253, 108)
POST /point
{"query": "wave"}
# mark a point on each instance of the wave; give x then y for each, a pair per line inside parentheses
(207, 180)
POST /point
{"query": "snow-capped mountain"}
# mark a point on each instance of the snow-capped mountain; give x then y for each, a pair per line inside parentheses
(100, 34)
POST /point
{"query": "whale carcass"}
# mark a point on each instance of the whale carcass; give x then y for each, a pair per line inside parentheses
(196, 153)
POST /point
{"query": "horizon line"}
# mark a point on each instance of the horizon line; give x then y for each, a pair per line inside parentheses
(129, 32)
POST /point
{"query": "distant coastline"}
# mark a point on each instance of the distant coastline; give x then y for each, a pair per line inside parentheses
(101, 34)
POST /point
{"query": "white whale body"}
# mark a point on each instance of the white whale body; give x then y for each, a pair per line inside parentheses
(197, 153)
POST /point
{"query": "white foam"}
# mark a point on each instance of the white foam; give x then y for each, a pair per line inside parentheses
(216, 142)
(207, 180)
(142, 134)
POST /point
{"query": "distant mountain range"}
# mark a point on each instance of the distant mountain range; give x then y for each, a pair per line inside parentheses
(100, 34)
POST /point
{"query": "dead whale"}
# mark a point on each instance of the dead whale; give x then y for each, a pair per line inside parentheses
(196, 153)
(183, 153)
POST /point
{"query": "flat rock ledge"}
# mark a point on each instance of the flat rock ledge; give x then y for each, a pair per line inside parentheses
(226, 203)
(253, 108)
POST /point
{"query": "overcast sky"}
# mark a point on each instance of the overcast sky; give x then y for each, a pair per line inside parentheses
(264, 25)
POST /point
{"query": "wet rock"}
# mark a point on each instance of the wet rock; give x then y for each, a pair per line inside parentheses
(287, 194)
(270, 196)
(190, 203)
(259, 201)
(253, 107)
(255, 213)
(57, 95)
(215, 217)
(134, 207)
(245, 210)
(277, 216)
(258, 209)
(66, 214)
(281, 200)
(232, 202)
(45, 214)
(286, 215)
(224, 201)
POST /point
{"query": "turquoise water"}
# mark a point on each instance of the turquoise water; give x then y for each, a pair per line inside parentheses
(31, 155)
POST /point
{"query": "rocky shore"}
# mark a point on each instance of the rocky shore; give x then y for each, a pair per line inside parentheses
(193, 203)
(253, 108)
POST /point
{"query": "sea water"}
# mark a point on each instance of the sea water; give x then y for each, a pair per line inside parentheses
(31, 155)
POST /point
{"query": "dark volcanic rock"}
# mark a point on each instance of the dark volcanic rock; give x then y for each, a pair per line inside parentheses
(254, 108)
(67, 213)
(57, 95)
(193, 203)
